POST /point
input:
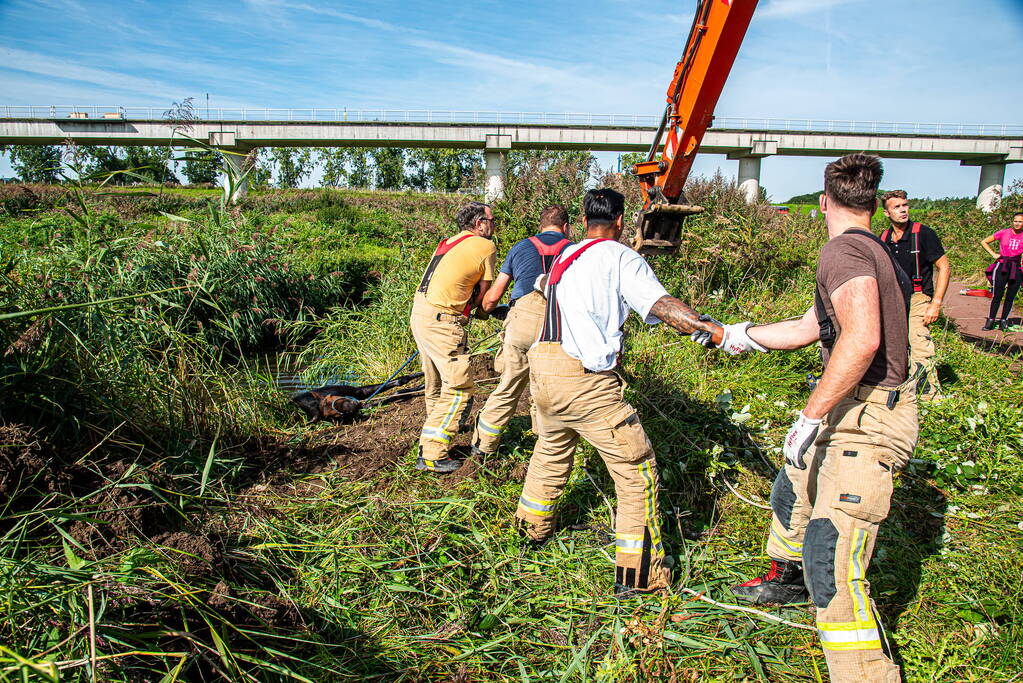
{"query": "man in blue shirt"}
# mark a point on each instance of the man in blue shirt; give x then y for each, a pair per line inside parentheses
(527, 260)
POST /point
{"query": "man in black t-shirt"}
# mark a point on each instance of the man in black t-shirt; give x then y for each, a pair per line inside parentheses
(918, 250)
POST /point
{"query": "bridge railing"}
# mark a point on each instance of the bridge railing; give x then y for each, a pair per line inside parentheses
(328, 115)
(879, 127)
(116, 112)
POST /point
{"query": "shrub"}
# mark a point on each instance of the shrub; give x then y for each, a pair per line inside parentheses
(337, 215)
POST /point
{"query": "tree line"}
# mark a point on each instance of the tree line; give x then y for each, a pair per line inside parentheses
(384, 168)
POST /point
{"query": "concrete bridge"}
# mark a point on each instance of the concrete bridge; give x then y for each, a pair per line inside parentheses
(749, 141)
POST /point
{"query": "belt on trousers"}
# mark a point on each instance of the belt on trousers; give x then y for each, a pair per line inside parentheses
(889, 396)
(452, 316)
(424, 308)
(512, 303)
(573, 367)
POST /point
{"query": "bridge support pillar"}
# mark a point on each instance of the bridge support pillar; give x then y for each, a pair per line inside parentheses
(237, 188)
(495, 157)
(749, 178)
(749, 166)
(989, 192)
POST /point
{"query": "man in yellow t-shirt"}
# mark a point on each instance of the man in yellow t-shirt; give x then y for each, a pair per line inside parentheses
(454, 283)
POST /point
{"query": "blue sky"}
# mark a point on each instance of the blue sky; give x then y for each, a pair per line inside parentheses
(909, 60)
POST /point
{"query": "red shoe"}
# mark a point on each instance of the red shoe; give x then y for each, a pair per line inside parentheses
(783, 585)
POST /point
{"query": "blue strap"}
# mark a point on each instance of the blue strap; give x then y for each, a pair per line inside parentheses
(410, 359)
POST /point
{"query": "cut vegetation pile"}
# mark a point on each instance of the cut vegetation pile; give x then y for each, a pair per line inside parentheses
(165, 515)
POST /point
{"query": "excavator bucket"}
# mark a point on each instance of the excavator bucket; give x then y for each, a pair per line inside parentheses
(659, 227)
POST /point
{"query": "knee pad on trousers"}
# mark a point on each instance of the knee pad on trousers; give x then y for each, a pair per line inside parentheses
(463, 419)
(783, 498)
(923, 384)
(819, 546)
(886, 645)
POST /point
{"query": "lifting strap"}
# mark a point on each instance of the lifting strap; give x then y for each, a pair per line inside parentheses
(918, 281)
(548, 252)
(552, 316)
(443, 248)
(828, 334)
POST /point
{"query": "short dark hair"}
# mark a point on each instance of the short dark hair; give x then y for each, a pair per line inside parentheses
(852, 181)
(603, 206)
(555, 214)
(891, 194)
(1018, 213)
(469, 214)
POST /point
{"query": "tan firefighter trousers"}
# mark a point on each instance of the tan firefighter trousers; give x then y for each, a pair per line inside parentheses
(827, 517)
(441, 338)
(521, 328)
(570, 402)
(921, 346)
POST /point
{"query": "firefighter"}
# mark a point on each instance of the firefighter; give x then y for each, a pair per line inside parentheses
(527, 260)
(455, 281)
(577, 393)
(919, 251)
(857, 429)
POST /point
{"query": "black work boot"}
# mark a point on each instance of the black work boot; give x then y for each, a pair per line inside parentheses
(623, 592)
(526, 531)
(479, 453)
(442, 466)
(626, 592)
(989, 325)
(783, 585)
(1003, 324)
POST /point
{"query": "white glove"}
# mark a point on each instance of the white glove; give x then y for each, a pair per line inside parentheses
(799, 439)
(736, 340)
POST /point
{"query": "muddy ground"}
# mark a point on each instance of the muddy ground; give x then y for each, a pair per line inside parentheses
(120, 500)
(379, 441)
(124, 504)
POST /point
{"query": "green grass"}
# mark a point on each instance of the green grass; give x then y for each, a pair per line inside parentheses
(148, 464)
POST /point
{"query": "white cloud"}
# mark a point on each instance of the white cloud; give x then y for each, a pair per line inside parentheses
(274, 6)
(205, 73)
(24, 89)
(44, 65)
(344, 16)
(496, 65)
(477, 80)
(789, 8)
(59, 5)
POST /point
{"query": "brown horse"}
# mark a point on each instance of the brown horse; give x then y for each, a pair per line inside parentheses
(342, 402)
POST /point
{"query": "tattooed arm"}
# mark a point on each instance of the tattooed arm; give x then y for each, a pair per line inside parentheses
(788, 334)
(683, 318)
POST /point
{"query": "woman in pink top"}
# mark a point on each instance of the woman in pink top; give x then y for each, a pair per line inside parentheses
(1005, 273)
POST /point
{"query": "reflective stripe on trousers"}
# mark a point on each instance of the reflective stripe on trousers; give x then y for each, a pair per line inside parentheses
(441, 340)
(542, 508)
(833, 514)
(570, 403)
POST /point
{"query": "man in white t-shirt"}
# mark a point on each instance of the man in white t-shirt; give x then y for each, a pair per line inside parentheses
(576, 392)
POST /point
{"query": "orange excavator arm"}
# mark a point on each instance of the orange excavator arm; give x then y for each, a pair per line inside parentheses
(719, 27)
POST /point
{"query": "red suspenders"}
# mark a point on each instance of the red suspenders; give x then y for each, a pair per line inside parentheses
(918, 281)
(552, 317)
(548, 252)
(443, 248)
